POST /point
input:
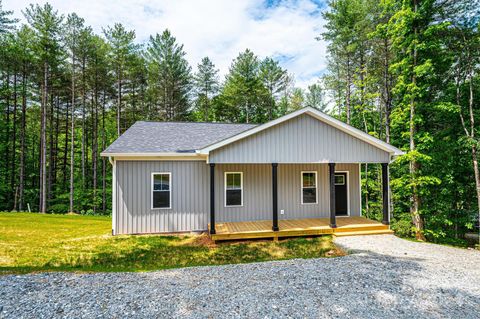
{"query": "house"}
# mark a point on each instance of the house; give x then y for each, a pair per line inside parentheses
(301, 171)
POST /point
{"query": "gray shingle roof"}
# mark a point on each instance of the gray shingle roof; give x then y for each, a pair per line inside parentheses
(171, 137)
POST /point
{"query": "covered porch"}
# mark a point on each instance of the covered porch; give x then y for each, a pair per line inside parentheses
(346, 226)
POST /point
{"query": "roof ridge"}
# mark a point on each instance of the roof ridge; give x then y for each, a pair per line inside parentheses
(194, 122)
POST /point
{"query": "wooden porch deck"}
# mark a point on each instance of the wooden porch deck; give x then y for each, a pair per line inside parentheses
(346, 226)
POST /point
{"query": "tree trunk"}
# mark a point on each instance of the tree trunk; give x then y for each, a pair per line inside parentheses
(72, 135)
(83, 122)
(414, 165)
(22, 140)
(104, 168)
(119, 101)
(348, 90)
(14, 141)
(43, 144)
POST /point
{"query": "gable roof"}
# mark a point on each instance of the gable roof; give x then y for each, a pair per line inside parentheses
(171, 138)
(319, 116)
(194, 138)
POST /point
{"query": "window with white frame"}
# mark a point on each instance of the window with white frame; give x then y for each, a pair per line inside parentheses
(161, 190)
(233, 189)
(309, 187)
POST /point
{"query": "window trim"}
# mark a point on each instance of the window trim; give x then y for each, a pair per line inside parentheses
(302, 188)
(152, 190)
(225, 189)
(343, 179)
(347, 172)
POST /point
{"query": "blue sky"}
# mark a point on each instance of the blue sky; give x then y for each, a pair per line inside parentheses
(219, 29)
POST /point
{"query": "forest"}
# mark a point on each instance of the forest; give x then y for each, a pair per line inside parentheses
(407, 72)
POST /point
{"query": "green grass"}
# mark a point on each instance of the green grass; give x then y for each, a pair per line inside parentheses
(41, 242)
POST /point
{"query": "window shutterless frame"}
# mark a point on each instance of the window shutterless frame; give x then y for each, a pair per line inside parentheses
(239, 188)
(302, 187)
(169, 174)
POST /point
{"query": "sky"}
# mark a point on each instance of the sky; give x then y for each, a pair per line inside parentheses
(219, 29)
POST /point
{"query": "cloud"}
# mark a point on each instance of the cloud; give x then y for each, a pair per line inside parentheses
(219, 29)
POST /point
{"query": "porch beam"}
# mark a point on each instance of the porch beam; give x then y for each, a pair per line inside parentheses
(212, 198)
(333, 219)
(386, 200)
(274, 197)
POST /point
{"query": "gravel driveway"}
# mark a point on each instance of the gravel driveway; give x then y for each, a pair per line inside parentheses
(385, 277)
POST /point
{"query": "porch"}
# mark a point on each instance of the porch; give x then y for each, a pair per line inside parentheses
(345, 226)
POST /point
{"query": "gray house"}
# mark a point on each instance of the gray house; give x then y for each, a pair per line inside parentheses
(300, 172)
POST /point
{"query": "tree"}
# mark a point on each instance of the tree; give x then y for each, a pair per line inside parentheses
(6, 23)
(274, 79)
(46, 23)
(242, 95)
(206, 83)
(315, 97)
(122, 49)
(169, 76)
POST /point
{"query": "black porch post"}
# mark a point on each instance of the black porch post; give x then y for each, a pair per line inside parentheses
(333, 220)
(212, 198)
(274, 197)
(385, 182)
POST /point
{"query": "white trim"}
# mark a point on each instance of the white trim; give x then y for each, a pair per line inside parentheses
(114, 194)
(318, 115)
(169, 190)
(301, 187)
(348, 193)
(161, 158)
(225, 189)
(156, 154)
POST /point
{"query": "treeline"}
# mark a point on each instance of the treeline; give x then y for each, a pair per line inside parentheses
(408, 72)
(66, 93)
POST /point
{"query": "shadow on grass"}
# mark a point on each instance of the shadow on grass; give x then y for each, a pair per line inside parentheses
(146, 253)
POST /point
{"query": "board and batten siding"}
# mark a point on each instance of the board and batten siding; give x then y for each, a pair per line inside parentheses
(303, 139)
(189, 198)
(257, 188)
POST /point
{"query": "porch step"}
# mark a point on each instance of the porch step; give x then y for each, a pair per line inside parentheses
(361, 228)
(364, 232)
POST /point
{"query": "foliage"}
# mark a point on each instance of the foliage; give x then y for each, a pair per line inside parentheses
(44, 242)
(408, 72)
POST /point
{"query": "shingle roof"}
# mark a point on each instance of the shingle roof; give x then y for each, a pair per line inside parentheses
(172, 137)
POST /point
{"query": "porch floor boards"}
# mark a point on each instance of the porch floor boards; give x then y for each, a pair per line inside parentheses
(346, 226)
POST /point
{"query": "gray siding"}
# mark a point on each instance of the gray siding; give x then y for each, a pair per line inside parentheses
(191, 193)
(302, 139)
(257, 185)
(190, 197)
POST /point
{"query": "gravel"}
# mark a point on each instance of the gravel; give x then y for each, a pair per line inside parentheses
(384, 277)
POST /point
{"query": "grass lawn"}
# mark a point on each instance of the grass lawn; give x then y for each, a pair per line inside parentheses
(40, 242)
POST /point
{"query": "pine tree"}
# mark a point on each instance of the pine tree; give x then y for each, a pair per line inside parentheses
(206, 85)
(315, 97)
(274, 79)
(122, 49)
(169, 77)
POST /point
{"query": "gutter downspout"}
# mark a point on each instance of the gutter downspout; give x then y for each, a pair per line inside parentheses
(114, 194)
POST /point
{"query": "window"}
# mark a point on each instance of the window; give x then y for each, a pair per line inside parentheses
(309, 187)
(339, 179)
(233, 189)
(161, 190)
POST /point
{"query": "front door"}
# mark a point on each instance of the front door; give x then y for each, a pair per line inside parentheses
(341, 194)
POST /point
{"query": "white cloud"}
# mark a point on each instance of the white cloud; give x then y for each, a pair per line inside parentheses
(216, 28)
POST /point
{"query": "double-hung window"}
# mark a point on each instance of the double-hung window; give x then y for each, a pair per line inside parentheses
(233, 189)
(161, 190)
(309, 187)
